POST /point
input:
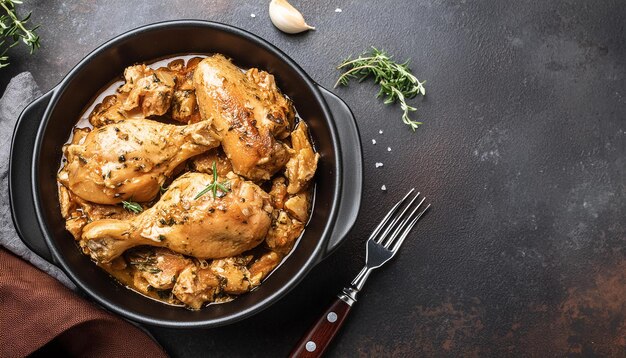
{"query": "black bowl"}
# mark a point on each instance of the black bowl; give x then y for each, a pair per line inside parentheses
(46, 123)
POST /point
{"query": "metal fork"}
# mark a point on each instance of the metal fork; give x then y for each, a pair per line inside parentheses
(381, 246)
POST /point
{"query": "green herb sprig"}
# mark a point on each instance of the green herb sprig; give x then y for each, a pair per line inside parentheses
(397, 83)
(132, 206)
(215, 186)
(146, 264)
(13, 31)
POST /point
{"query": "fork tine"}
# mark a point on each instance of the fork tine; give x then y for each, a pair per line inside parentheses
(391, 238)
(385, 235)
(399, 242)
(389, 214)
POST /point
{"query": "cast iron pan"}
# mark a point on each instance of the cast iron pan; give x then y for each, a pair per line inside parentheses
(46, 123)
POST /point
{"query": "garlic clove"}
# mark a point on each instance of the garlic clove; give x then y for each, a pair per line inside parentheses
(287, 18)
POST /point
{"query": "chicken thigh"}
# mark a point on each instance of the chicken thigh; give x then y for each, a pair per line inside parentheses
(129, 160)
(249, 112)
(205, 227)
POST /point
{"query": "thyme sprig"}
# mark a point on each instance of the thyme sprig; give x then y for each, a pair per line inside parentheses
(215, 186)
(397, 83)
(13, 31)
(132, 206)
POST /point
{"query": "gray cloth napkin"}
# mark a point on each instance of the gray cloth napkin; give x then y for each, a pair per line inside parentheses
(19, 93)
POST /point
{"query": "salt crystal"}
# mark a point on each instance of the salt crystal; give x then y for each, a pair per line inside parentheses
(383, 188)
(378, 165)
(380, 131)
(389, 149)
(373, 141)
(252, 15)
(337, 10)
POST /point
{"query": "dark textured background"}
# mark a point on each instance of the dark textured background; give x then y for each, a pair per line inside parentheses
(523, 155)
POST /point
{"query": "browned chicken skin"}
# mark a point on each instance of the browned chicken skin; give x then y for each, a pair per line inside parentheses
(250, 114)
(129, 160)
(203, 163)
(205, 227)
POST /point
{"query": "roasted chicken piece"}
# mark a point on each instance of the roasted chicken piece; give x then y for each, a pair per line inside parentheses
(280, 240)
(205, 227)
(250, 114)
(290, 212)
(203, 163)
(110, 111)
(157, 267)
(152, 92)
(148, 89)
(298, 206)
(284, 233)
(129, 160)
(184, 107)
(197, 284)
(233, 274)
(278, 193)
(70, 210)
(78, 212)
(263, 266)
(301, 167)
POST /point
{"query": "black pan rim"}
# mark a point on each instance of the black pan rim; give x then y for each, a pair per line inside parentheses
(262, 304)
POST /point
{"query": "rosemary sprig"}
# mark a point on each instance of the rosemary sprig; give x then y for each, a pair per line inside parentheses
(397, 83)
(215, 186)
(13, 30)
(147, 264)
(132, 206)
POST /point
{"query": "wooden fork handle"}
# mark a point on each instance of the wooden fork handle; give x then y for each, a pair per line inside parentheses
(315, 342)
